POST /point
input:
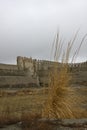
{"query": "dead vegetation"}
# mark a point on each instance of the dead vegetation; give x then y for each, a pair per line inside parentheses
(12, 106)
(63, 101)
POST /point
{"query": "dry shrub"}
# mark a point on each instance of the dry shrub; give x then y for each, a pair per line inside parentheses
(63, 101)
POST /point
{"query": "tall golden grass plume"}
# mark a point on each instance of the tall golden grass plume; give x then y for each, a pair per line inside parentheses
(62, 99)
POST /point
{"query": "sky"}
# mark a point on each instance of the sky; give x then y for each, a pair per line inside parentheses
(28, 27)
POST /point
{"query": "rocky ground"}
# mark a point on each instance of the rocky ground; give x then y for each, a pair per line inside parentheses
(66, 124)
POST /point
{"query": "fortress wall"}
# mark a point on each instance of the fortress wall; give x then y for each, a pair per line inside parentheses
(8, 67)
(17, 82)
(12, 73)
(79, 66)
(34, 65)
(20, 63)
(10, 70)
(26, 64)
(32, 69)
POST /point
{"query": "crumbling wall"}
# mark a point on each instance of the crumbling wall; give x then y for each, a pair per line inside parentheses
(20, 64)
(37, 69)
(33, 66)
(26, 64)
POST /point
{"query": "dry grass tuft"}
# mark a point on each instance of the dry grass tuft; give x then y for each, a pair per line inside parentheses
(63, 101)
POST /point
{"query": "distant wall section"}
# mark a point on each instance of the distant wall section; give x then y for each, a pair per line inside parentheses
(37, 70)
(8, 67)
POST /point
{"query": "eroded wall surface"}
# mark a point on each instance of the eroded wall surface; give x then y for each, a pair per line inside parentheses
(37, 70)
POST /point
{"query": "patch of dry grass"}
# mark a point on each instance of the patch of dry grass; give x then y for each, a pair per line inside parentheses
(63, 101)
(26, 108)
(13, 106)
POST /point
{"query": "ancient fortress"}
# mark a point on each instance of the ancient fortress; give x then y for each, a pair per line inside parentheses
(31, 72)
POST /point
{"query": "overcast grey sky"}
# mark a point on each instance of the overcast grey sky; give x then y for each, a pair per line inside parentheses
(28, 27)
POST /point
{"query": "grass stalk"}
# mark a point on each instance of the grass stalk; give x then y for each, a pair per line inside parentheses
(62, 100)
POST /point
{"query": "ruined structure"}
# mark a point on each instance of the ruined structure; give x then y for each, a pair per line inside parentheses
(33, 67)
(31, 72)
